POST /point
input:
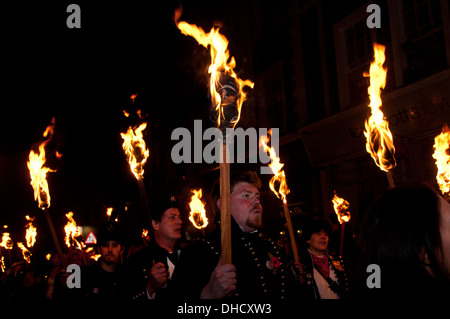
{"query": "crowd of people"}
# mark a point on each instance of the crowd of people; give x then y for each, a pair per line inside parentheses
(406, 233)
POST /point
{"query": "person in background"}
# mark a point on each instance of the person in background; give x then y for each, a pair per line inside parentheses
(406, 233)
(322, 275)
(152, 268)
(102, 280)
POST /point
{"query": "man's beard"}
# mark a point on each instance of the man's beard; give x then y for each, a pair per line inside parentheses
(254, 222)
(110, 260)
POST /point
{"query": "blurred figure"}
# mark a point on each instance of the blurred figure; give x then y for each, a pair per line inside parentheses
(55, 269)
(407, 234)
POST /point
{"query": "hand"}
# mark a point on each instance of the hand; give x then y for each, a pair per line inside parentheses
(222, 282)
(158, 278)
(299, 266)
(300, 272)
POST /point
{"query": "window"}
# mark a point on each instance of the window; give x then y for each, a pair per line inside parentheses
(424, 39)
(421, 18)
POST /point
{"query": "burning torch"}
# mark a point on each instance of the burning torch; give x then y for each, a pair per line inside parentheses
(197, 215)
(341, 208)
(38, 174)
(442, 156)
(137, 154)
(283, 190)
(227, 96)
(379, 141)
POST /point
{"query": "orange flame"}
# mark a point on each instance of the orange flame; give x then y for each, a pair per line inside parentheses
(197, 215)
(25, 252)
(38, 172)
(276, 167)
(442, 156)
(73, 236)
(7, 242)
(109, 211)
(220, 62)
(31, 232)
(91, 254)
(341, 208)
(379, 141)
(135, 149)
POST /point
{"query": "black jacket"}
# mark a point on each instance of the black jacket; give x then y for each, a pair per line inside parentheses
(309, 289)
(138, 270)
(259, 266)
(99, 284)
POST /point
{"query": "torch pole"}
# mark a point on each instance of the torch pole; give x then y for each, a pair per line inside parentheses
(145, 204)
(291, 231)
(225, 215)
(390, 178)
(341, 245)
(53, 231)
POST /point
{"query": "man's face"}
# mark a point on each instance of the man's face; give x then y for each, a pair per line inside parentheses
(170, 224)
(110, 251)
(246, 207)
(318, 242)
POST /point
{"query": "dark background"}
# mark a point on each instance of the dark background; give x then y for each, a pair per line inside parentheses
(84, 78)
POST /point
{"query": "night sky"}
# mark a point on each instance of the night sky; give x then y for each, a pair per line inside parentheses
(84, 78)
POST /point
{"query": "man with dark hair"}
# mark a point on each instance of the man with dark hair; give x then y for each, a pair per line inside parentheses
(256, 270)
(322, 274)
(152, 268)
(102, 280)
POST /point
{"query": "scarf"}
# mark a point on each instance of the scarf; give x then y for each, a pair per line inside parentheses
(321, 264)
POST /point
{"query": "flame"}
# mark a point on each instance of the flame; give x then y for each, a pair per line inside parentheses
(91, 254)
(197, 215)
(132, 97)
(442, 156)
(38, 172)
(379, 141)
(276, 166)
(341, 208)
(73, 233)
(96, 257)
(109, 211)
(31, 232)
(135, 149)
(7, 242)
(25, 252)
(220, 63)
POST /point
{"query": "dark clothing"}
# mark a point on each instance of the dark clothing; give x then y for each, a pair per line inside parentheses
(309, 290)
(99, 284)
(139, 266)
(259, 268)
(413, 283)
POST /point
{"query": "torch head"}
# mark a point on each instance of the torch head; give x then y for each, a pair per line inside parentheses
(227, 113)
